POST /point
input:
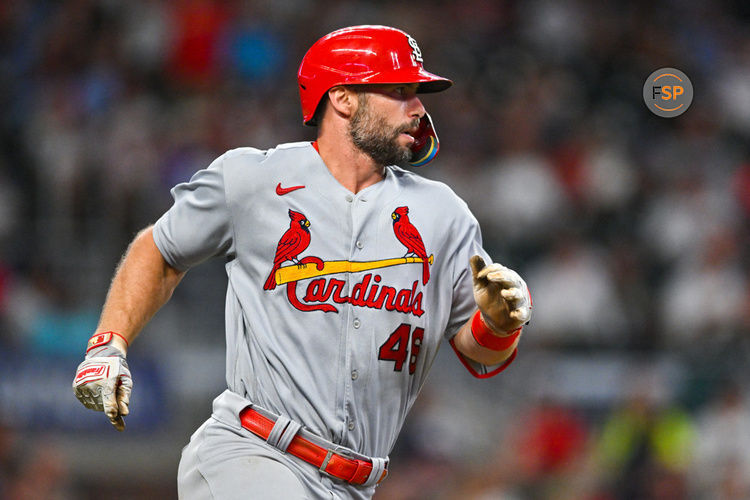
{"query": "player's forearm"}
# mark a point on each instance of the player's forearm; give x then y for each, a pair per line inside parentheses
(142, 284)
(468, 346)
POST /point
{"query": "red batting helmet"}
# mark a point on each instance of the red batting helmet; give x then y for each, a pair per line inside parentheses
(361, 55)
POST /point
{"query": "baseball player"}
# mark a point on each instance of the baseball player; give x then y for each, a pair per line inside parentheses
(345, 275)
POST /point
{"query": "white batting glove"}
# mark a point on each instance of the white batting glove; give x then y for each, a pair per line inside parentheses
(103, 383)
(501, 295)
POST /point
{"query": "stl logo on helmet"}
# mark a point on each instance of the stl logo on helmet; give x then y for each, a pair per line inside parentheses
(369, 292)
(416, 52)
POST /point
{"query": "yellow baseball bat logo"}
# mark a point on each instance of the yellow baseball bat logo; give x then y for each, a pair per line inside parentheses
(295, 272)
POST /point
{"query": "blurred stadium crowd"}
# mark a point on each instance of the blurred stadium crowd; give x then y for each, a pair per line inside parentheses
(632, 232)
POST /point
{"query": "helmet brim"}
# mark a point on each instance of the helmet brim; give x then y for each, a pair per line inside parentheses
(428, 82)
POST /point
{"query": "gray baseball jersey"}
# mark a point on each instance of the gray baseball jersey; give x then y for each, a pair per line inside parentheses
(337, 303)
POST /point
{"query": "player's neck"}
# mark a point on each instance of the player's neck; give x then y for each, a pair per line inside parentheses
(352, 168)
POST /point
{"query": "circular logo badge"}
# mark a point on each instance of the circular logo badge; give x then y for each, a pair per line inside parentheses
(668, 92)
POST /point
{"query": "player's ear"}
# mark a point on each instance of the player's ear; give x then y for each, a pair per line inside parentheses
(343, 100)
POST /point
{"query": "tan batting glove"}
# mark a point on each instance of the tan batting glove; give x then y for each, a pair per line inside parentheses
(103, 382)
(501, 295)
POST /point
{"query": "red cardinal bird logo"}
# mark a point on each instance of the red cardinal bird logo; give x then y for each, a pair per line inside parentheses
(294, 241)
(408, 235)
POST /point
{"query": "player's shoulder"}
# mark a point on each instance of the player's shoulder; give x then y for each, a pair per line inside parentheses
(248, 156)
(248, 165)
(438, 193)
(413, 180)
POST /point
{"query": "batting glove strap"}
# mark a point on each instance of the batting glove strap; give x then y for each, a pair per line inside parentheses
(103, 338)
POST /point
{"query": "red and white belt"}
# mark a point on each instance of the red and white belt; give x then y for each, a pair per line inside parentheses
(290, 437)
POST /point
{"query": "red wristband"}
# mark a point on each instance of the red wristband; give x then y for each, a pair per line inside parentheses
(99, 339)
(484, 336)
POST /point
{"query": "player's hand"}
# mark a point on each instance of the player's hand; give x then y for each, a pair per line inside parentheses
(501, 295)
(103, 383)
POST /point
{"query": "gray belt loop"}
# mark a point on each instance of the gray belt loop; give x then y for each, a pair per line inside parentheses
(378, 466)
(283, 432)
(289, 433)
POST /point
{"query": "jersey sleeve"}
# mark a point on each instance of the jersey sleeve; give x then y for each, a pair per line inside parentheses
(469, 244)
(463, 305)
(198, 225)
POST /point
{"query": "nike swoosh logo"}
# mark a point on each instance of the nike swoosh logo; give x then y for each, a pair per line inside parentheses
(282, 191)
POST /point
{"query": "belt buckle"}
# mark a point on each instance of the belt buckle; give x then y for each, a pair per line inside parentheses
(324, 465)
(329, 453)
(337, 451)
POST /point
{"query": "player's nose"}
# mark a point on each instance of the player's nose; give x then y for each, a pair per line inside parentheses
(416, 108)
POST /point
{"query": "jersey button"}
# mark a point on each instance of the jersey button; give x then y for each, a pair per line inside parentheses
(356, 323)
(360, 244)
(355, 375)
(351, 425)
(349, 198)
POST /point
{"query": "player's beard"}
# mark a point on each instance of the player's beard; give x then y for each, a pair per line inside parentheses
(373, 135)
